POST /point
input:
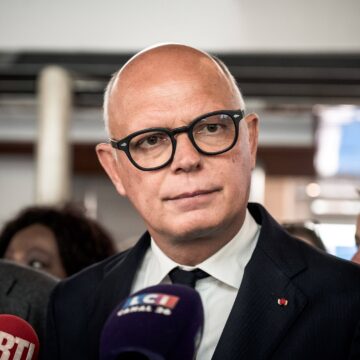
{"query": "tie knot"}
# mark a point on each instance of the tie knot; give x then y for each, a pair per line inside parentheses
(188, 278)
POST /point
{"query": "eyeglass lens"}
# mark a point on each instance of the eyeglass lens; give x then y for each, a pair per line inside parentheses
(214, 133)
(211, 135)
(151, 149)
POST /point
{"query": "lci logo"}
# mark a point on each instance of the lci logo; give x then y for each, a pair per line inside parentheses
(153, 302)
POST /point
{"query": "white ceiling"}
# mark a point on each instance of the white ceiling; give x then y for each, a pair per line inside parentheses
(215, 25)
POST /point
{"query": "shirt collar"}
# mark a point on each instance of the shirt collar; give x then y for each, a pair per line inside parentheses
(230, 261)
(225, 265)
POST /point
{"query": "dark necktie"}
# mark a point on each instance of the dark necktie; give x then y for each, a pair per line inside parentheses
(187, 278)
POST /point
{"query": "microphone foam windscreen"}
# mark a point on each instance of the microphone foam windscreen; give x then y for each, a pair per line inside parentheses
(18, 340)
(162, 322)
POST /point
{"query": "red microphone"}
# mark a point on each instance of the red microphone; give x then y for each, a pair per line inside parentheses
(18, 340)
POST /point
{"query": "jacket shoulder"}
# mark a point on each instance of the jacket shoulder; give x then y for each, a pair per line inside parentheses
(302, 261)
(84, 283)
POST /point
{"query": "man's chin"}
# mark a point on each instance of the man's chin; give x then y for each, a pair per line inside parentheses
(192, 232)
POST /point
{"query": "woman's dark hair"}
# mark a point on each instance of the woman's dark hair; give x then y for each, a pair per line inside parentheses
(305, 230)
(81, 240)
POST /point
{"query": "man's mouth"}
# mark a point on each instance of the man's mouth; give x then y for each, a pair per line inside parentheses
(192, 194)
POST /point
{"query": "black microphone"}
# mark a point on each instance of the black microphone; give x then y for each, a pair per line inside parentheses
(162, 322)
(18, 340)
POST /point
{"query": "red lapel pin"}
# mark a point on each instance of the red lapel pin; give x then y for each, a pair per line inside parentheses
(282, 302)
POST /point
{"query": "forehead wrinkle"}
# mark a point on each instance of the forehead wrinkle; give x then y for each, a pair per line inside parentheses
(163, 115)
(164, 93)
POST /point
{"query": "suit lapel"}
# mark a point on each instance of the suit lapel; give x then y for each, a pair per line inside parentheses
(257, 323)
(115, 287)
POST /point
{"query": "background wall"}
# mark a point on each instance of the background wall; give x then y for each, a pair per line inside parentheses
(218, 25)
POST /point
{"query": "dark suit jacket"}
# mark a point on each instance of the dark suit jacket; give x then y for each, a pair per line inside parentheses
(321, 320)
(25, 292)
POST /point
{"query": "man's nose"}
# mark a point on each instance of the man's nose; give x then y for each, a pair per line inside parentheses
(186, 157)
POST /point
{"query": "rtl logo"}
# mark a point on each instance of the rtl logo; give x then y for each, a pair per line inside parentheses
(15, 348)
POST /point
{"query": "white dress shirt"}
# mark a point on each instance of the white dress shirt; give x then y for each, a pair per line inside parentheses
(219, 290)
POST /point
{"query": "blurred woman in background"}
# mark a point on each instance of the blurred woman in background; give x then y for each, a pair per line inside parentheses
(306, 232)
(60, 241)
(356, 256)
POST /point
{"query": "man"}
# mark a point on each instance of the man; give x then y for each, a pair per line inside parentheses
(182, 150)
(24, 292)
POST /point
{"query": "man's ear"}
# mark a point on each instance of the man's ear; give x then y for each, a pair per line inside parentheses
(252, 121)
(109, 163)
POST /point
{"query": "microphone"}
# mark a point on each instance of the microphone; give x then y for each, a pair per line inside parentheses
(162, 322)
(18, 340)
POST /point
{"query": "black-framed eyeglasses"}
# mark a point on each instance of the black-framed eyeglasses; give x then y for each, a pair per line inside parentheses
(154, 148)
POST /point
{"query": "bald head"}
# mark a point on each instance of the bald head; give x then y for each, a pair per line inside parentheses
(171, 64)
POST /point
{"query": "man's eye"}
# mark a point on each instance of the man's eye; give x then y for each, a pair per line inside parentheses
(212, 127)
(151, 140)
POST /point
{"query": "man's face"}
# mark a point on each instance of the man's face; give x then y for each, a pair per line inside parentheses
(196, 196)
